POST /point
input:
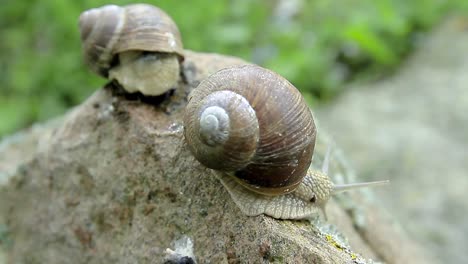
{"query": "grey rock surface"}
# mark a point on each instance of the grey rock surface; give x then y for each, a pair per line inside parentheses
(113, 182)
(412, 128)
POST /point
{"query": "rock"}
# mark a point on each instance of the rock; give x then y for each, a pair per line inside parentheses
(412, 128)
(113, 182)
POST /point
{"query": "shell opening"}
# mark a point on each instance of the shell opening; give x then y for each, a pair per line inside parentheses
(111, 29)
(214, 126)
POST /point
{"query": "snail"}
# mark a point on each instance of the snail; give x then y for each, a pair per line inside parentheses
(255, 131)
(137, 45)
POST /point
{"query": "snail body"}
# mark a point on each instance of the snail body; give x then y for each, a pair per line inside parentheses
(254, 129)
(137, 45)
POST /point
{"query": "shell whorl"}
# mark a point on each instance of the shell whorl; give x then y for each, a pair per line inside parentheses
(214, 126)
(270, 140)
(100, 30)
(112, 29)
(224, 129)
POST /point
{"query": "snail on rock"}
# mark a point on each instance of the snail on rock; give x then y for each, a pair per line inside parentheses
(138, 45)
(254, 129)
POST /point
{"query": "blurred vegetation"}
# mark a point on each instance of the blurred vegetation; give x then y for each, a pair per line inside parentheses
(317, 45)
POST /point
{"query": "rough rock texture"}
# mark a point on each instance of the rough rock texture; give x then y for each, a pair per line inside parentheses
(412, 128)
(113, 182)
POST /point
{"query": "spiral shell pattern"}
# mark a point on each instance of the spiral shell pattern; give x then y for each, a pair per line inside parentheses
(258, 128)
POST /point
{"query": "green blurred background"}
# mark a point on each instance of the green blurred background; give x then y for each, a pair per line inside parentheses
(317, 45)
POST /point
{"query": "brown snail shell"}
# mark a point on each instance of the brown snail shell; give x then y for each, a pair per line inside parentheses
(115, 41)
(254, 124)
(254, 129)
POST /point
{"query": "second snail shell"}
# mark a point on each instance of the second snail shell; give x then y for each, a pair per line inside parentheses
(138, 45)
